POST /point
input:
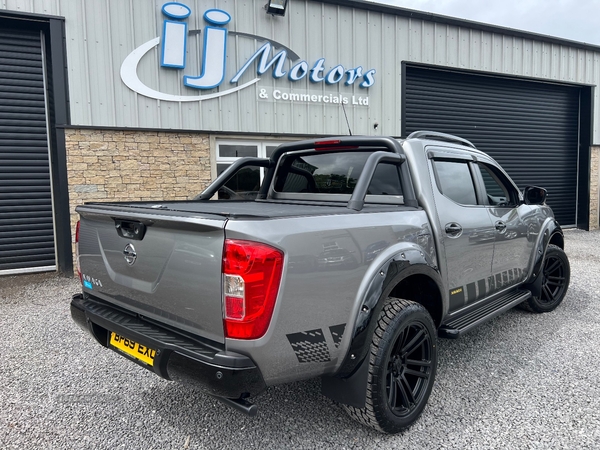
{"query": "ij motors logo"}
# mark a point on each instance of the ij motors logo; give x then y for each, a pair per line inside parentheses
(173, 50)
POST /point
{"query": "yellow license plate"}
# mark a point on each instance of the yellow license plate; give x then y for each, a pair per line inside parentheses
(132, 348)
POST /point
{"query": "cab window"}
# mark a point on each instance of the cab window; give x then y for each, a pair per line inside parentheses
(499, 191)
(455, 181)
(334, 173)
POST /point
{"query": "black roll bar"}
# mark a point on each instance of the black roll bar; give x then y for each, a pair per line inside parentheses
(392, 146)
(227, 173)
(357, 200)
(392, 155)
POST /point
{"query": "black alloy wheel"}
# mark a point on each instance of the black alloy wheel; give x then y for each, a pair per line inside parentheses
(556, 274)
(402, 363)
(409, 369)
(554, 284)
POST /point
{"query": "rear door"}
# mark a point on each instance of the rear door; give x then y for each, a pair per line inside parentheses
(169, 270)
(467, 230)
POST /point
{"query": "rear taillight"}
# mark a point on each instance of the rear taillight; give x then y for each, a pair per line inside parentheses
(77, 251)
(251, 278)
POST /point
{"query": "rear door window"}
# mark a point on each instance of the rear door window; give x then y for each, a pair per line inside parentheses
(455, 181)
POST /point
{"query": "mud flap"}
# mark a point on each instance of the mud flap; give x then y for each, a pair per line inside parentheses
(350, 391)
(535, 286)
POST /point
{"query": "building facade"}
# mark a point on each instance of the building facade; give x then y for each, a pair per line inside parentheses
(109, 100)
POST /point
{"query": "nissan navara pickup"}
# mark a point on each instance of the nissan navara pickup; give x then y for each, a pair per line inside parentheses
(342, 258)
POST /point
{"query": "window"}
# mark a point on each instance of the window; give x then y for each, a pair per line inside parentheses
(499, 191)
(334, 173)
(245, 183)
(229, 151)
(455, 181)
(386, 180)
(237, 151)
(328, 173)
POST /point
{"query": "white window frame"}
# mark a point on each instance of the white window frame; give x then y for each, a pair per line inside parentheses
(261, 146)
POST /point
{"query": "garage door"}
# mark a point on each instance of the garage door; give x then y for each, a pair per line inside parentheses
(530, 128)
(26, 220)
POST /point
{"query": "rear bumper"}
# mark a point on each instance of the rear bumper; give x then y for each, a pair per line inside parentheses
(196, 362)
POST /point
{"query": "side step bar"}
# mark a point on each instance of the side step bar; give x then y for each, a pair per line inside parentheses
(457, 327)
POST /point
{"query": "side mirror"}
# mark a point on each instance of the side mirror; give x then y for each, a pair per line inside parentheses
(534, 195)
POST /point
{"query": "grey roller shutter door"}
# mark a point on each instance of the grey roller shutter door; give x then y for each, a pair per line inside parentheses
(530, 128)
(26, 219)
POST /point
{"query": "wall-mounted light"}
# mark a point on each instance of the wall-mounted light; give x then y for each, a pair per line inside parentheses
(276, 7)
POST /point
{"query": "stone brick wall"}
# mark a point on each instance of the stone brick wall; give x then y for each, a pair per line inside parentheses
(105, 165)
(594, 188)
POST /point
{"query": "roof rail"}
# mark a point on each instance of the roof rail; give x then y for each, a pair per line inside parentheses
(434, 135)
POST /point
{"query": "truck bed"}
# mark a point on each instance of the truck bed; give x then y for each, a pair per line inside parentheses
(259, 209)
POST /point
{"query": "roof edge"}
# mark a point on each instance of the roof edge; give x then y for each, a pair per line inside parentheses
(438, 18)
(27, 16)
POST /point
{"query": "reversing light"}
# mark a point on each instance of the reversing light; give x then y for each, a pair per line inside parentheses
(251, 277)
(235, 308)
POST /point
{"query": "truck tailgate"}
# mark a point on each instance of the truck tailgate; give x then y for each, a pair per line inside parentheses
(172, 274)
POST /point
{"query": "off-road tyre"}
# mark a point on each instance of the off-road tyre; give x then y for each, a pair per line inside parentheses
(556, 273)
(402, 367)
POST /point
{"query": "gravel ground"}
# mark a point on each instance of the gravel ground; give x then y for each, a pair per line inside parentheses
(520, 381)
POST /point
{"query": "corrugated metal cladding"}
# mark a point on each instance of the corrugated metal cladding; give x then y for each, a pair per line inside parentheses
(26, 221)
(100, 34)
(530, 128)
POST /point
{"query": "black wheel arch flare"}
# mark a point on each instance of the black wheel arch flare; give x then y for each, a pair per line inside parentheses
(551, 234)
(353, 371)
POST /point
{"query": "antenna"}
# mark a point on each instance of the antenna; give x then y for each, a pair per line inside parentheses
(346, 116)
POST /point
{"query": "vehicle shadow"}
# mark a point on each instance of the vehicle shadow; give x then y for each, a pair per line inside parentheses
(293, 415)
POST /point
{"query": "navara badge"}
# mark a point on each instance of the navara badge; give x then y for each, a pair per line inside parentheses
(130, 254)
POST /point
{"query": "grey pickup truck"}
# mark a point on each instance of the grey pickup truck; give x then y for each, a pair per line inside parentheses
(347, 261)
